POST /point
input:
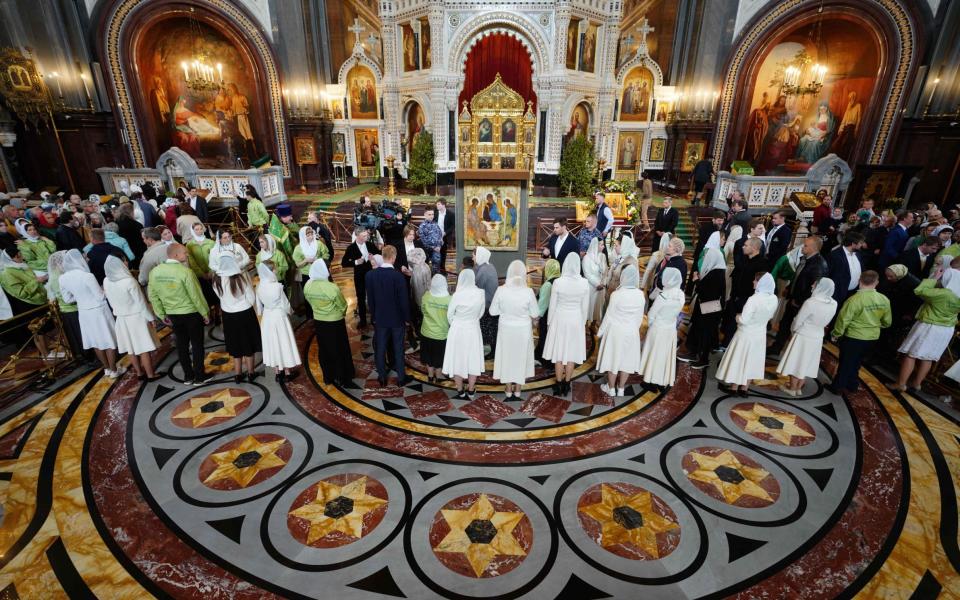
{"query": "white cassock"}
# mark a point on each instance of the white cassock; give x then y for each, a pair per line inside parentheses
(134, 335)
(620, 331)
(276, 334)
(594, 268)
(463, 354)
(569, 302)
(658, 360)
(516, 305)
(96, 321)
(801, 357)
(747, 353)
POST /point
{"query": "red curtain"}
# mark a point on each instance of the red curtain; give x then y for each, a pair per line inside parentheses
(498, 53)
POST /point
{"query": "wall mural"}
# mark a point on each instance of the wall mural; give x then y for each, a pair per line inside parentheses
(362, 93)
(416, 121)
(491, 215)
(791, 132)
(637, 95)
(588, 48)
(579, 121)
(367, 144)
(628, 152)
(425, 43)
(411, 48)
(216, 127)
(572, 41)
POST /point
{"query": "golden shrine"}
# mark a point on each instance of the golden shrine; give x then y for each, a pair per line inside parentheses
(495, 132)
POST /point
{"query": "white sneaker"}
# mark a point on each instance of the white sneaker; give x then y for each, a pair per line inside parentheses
(110, 374)
(119, 371)
(606, 390)
(621, 392)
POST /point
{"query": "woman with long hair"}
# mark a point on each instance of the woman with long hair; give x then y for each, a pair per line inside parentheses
(241, 330)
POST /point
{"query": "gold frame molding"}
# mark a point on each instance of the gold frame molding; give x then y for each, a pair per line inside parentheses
(114, 28)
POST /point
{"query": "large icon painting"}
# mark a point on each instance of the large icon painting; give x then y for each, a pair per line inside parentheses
(362, 92)
(491, 215)
(637, 94)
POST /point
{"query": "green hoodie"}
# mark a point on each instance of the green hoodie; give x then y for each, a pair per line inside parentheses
(862, 316)
(174, 290)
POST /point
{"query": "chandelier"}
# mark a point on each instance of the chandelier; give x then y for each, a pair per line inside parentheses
(198, 75)
(800, 78)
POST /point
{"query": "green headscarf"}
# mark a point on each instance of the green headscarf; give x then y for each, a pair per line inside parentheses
(551, 270)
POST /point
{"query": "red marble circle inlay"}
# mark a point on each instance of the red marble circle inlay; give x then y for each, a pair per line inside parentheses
(245, 461)
(628, 521)
(481, 535)
(210, 408)
(730, 477)
(772, 424)
(337, 510)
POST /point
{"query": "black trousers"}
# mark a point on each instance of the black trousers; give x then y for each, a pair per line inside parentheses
(360, 284)
(730, 312)
(852, 353)
(786, 321)
(188, 332)
(71, 329)
(383, 337)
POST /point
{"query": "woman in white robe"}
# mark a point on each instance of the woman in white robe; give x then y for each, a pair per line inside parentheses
(747, 353)
(658, 360)
(77, 284)
(625, 252)
(566, 343)
(594, 269)
(463, 353)
(135, 335)
(801, 357)
(620, 333)
(516, 305)
(225, 245)
(656, 258)
(279, 346)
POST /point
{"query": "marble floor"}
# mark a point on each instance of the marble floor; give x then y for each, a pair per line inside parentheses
(117, 489)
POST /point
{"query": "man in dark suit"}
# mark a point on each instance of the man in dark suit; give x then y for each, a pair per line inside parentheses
(754, 230)
(919, 261)
(390, 307)
(447, 221)
(845, 267)
(741, 285)
(666, 222)
(812, 267)
(561, 243)
(198, 203)
(358, 256)
(778, 238)
(738, 216)
(99, 252)
(896, 239)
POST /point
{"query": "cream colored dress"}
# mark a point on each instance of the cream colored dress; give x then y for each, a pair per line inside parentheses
(747, 353)
(658, 361)
(134, 334)
(801, 357)
(276, 334)
(515, 306)
(569, 302)
(620, 332)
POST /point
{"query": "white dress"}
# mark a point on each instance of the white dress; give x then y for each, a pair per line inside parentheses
(515, 306)
(134, 334)
(96, 321)
(463, 355)
(658, 360)
(747, 353)
(801, 357)
(593, 271)
(279, 344)
(566, 339)
(620, 332)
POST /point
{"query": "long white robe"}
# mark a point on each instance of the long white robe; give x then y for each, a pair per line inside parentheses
(658, 360)
(620, 332)
(566, 339)
(276, 334)
(463, 355)
(96, 321)
(746, 355)
(133, 331)
(594, 270)
(801, 357)
(515, 306)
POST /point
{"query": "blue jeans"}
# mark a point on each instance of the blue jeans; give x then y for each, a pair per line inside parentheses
(382, 338)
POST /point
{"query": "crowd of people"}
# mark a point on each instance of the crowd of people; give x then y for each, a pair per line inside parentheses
(866, 281)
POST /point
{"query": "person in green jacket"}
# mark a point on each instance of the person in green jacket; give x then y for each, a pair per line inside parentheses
(273, 257)
(25, 292)
(551, 270)
(198, 259)
(433, 330)
(256, 212)
(933, 330)
(857, 328)
(308, 250)
(177, 300)
(34, 248)
(329, 308)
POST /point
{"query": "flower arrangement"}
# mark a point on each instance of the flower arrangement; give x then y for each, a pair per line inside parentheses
(628, 189)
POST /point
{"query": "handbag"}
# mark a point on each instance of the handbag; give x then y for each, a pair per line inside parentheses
(708, 308)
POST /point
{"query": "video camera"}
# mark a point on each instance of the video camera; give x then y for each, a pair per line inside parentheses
(382, 217)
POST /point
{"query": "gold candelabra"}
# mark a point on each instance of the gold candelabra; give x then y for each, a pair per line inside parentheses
(391, 190)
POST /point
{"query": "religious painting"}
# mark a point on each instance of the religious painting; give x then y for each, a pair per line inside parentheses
(573, 40)
(662, 110)
(658, 150)
(367, 147)
(786, 132)
(691, 155)
(579, 121)
(508, 132)
(484, 162)
(411, 48)
(425, 43)
(416, 121)
(588, 48)
(305, 150)
(485, 131)
(491, 215)
(629, 145)
(336, 107)
(637, 95)
(339, 143)
(362, 91)
(219, 124)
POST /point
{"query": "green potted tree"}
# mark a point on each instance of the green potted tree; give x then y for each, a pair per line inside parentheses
(576, 167)
(421, 172)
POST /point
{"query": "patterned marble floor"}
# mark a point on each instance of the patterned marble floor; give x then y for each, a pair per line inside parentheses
(114, 489)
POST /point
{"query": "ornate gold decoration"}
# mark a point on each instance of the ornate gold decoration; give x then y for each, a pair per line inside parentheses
(617, 514)
(496, 132)
(729, 476)
(23, 88)
(481, 515)
(327, 513)
(243, 462)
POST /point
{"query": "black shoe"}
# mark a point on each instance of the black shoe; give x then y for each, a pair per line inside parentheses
(555, 389)
(253, 375)
(382, 382)
(565, 388)
(743, 393)
(403, 382)
(461, 395)
(276, 376)
(156, 377)
(282, 377)
(142, 377)
(686, 358)
(239, 378)
(202, 379)
(471, 394)
(774, 350)
(293, 375)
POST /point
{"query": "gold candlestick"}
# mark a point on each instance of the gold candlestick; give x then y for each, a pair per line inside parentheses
(391, 190)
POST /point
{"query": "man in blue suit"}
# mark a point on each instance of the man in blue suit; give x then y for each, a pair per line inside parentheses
(897, 238)
(389, 304)
(845, 267)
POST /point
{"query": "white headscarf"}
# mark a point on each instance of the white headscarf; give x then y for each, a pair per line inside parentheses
(271, 247)
(628, 247)
(735, 233)
(308, 248)
(629, 278)
(266, 275)
(951, 281)
(319, 271)
(712, 261)
(664, 242)
(824, 289)
(198, 238)
(6, 261)
(74, 261)
(228, 266)
(115, 270)
(217, 247)
(54, 271)
(672, 280)
(517, 273)
(21, 226)
(571, 267)
(483, 255)
(713, 241)
(438, 286)
(593, 251)
(766, 285)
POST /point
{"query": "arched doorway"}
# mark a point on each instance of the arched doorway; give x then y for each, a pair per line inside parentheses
(502, 53)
